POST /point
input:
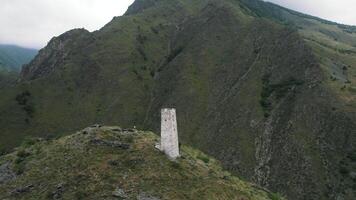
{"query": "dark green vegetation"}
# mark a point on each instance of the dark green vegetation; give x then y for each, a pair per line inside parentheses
(13, 57)
(267, 91)
(7, 78)
(111, 163)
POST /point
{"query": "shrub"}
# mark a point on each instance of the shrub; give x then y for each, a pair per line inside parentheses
(29, 141)
(22, 98)
(22, 154)
(113, 162)
(352, 157)
(29, 110)
(176, 165)
(141, 38)
(203, 158)
(274, 196)
(343, 170)
(2, 151)
(19, 164)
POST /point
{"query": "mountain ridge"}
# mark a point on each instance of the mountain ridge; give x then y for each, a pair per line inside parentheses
(12, 57)
(251, 92)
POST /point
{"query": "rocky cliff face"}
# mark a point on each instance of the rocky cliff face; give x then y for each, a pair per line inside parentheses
(57, 53)
(140, 5)
(249, 90)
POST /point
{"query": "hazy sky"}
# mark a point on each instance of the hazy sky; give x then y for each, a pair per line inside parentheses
(32, 23)
(341, 11)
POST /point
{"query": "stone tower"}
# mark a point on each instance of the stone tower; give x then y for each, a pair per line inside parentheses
(169, 133)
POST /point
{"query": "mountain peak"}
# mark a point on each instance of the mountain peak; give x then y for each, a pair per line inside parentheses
(139, 6)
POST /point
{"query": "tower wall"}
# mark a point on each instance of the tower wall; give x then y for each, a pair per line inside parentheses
(169, 133)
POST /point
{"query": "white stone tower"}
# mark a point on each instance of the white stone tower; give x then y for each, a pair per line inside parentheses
(169, 133)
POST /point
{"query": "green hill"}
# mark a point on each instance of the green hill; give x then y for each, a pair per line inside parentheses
(267, 91)
(7, 79)
(13, 57)
(111, 163)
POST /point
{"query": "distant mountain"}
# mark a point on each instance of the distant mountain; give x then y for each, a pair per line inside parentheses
(269, 92)
(13, 57)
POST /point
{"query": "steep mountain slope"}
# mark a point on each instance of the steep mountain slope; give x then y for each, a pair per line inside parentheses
(7, 79)
(257, 94)
(13, 57)
(111, 163)
(334, 44)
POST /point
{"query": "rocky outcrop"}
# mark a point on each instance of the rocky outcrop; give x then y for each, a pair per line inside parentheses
(6, 174)
(57, 53)
(139, 6)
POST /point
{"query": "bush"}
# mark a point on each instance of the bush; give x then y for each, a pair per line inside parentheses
(22, 154)
(2, 151)
(19, 164)
(176, 165)
(352, 156)
(29, 141)
(29, 110)
(203, 158)
(113, 162)
(274, 196)
(343, 170)
(141, 38)
(22, 98)
(152, 73)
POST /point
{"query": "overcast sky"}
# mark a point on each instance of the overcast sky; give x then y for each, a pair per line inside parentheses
(341, 11)
(32, 23)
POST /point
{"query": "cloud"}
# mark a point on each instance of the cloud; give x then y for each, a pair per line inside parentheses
(341, 11)
(33, 23)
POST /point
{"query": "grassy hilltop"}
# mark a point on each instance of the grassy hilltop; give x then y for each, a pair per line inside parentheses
(112, 163)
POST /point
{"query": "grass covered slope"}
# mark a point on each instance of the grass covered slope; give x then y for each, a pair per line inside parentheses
(7, 78)
(112, 163)
(249, 90)
(333, 44)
